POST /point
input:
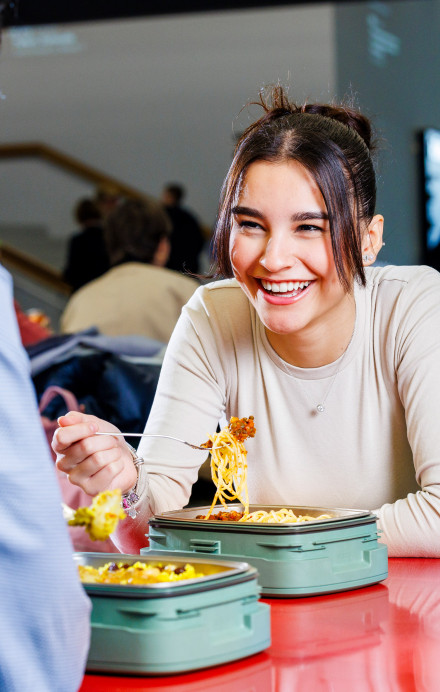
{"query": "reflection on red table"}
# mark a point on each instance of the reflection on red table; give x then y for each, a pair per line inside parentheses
(376, 639)
(252, 674)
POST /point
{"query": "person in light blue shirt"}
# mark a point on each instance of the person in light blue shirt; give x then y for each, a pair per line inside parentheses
(44, 611)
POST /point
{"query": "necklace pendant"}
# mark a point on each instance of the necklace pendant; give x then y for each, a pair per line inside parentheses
(320, 408)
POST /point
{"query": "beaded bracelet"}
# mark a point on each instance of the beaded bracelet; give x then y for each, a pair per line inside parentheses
(131, 498)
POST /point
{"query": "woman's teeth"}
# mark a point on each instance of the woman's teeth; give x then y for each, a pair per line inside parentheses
(284, 286)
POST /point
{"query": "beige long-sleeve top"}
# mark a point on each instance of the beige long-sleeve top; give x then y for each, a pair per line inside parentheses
(377, 444)
(131, 298)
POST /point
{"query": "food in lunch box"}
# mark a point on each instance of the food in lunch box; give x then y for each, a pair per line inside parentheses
(222, 516)
(138, 573)
(280, 516)
(102, 517)
(228, 461)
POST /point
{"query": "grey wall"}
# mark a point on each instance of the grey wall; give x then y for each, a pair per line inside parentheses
(388, 56)
(146, 101)
(151, 100)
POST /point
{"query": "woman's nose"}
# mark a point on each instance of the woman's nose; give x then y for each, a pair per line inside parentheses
(278, 254)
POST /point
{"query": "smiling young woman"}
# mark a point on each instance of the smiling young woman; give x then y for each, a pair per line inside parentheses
(338, 361)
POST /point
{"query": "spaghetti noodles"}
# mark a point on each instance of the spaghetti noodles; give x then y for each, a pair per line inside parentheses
(228, 462)
(280, 516)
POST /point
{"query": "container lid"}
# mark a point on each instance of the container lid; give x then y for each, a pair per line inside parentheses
(339, 518)
(216, 574)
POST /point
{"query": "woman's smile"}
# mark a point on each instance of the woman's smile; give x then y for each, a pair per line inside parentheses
(283, 292)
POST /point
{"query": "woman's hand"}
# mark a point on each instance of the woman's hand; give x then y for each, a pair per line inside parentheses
(93, 462)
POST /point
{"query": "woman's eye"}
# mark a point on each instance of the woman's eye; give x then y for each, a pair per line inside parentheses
(250, 225)
(309, 228)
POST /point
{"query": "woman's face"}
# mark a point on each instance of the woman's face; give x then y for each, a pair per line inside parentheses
(281, 252)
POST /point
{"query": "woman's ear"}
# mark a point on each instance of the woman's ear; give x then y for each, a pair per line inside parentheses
(372, 240)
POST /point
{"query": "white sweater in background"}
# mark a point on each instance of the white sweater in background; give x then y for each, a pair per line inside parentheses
(131, 298)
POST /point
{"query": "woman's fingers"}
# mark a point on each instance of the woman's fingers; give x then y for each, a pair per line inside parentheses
(75, 426)
(75, 453)
(93, 462)
(103, 470)
(95, 423)
(73, 417)
(64, 438)
(114, 474)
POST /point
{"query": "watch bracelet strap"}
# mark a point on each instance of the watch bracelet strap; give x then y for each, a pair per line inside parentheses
(131, 498)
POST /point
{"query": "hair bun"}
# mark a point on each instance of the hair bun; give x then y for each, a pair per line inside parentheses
(344, 114)
(276, 104)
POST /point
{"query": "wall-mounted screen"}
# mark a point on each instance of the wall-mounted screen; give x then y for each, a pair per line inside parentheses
(431, 192)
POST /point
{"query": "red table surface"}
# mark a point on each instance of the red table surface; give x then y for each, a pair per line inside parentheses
(381, 638)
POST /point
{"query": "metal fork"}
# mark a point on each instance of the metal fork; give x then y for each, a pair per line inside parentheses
(168, 437)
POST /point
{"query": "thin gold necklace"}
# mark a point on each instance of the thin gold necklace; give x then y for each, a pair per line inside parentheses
(320, 407)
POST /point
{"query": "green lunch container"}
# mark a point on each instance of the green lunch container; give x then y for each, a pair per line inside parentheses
(173, 627)
(297, 559)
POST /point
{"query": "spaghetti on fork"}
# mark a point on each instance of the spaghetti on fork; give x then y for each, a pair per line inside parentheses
(228, 462)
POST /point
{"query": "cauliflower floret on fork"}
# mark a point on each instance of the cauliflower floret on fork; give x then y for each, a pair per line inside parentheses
(101, 518)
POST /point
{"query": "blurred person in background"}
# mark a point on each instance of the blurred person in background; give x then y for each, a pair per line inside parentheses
(138, 295)
(106, 197)
(87, 256)
(187, 239)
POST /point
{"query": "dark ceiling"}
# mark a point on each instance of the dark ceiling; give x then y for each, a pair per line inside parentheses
(34, 12)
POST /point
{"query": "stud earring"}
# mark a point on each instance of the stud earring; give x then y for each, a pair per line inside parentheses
(367, 258)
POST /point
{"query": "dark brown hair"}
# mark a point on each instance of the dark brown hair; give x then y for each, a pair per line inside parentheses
(134, 229)
(86, 210)
(334, 144)
(176, 191)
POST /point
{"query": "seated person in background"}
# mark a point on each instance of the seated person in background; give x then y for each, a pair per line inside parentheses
(106, 198)
(137, 295)
(44, 612)
(187, 239)
(87, 254)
